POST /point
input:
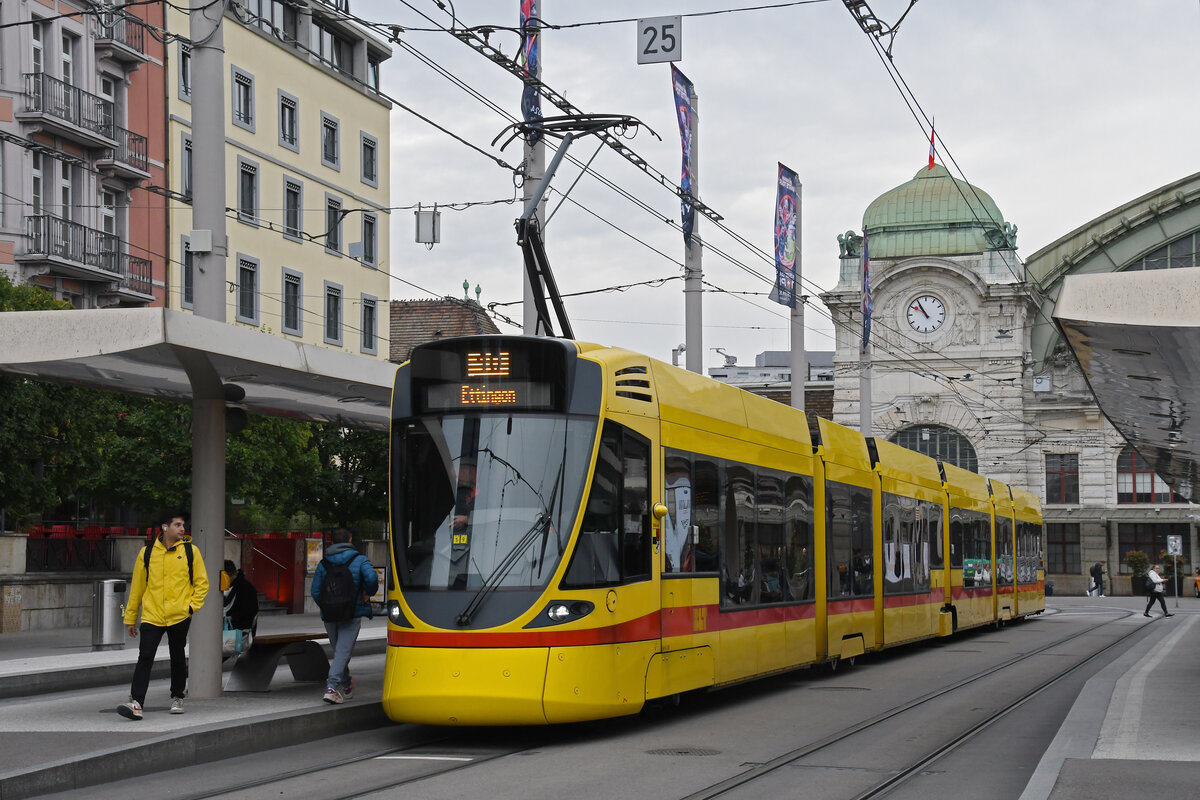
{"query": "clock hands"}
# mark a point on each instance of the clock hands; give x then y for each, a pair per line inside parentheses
(917, 306)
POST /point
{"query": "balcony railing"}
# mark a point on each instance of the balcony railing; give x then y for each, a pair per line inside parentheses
(47, 95)
(49, 235)
(119, 27)
(135, 274)
(131, 149)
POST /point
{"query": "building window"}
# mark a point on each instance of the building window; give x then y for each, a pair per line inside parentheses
(1062, 478)
(333, 225)
(68, 59)
(247, 192)
(187, 281)
(1062, 548)
(939, 442)
(247, 290)
(329, 141)
(370, 160)
(369, 340)
(370, 250)
(185, 71)
(38, 186)
(292, 294)
(39, 34)
(275, 17)
(289, 129)
(333, 314)
(1181, 253)
(243, 99)
(293, 194)
(185, 168)
(373, 73)
(330, 47)
(1136, 481)
(1151, 539)
(66, 190)
(108, 212)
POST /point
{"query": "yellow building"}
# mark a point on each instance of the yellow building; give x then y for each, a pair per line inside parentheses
(306, 167)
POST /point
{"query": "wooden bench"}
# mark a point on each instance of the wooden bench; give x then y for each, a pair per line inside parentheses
(255, 668)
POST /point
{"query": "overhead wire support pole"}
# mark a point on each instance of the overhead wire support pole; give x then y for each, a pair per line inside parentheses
(537, 266)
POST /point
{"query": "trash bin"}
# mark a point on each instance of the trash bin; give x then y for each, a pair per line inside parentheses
(108, 614)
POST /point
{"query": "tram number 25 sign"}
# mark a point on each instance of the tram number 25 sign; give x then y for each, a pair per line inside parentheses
(659, 39)
(1174, 545)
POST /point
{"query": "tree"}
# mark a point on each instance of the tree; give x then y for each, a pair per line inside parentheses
(351, 482)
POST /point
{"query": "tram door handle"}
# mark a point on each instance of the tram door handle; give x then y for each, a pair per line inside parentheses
(660, 511)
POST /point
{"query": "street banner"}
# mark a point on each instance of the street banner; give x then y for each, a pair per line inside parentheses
(683, 110)
(531, 54)
(786, 222)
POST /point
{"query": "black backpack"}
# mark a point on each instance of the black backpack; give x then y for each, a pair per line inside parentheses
(339, 592)
(187, 549)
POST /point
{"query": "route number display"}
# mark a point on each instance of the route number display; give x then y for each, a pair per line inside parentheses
(659, 39)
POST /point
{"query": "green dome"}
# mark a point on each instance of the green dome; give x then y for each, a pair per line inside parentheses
(935, 214)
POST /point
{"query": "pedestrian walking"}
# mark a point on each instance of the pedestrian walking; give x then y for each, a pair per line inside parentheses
(1154, 590)
(169, 584)
(1097, 579)
(342, 588)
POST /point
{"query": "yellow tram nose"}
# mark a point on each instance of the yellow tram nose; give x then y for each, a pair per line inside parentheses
(466, 686)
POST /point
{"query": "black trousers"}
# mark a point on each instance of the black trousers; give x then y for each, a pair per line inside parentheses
(150, 637)
(1156, 596)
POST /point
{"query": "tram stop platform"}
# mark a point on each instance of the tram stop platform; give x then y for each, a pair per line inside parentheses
(59, 727)
(1135, 724)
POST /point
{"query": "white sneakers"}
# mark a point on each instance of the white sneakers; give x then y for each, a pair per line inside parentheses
(176, 705)
(130, 710)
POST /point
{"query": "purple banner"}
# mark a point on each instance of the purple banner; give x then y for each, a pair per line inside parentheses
(683, 110)
(531, 52)
(787, 220)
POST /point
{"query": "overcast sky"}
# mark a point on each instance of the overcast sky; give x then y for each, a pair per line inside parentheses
(1061, 110)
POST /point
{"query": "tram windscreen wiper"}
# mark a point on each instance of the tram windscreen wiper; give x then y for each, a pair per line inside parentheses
(540, 525)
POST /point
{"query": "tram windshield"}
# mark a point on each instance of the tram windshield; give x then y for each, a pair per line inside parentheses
(486, 501)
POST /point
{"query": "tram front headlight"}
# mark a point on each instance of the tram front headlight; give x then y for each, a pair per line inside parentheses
(395, 615)
(558, 612)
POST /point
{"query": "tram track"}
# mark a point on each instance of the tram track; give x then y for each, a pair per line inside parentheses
(898, 777)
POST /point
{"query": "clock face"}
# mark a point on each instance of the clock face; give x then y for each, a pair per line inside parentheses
(926, 313)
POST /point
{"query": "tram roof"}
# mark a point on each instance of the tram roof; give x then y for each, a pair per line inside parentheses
(1136, 336)
(143, 351)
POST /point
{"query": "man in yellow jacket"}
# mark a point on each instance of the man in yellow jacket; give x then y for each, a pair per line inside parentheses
(169, 584)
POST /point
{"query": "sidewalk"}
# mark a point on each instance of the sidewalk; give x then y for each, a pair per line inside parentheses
(59, 728)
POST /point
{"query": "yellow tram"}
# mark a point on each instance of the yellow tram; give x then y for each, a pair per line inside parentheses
(578, 530)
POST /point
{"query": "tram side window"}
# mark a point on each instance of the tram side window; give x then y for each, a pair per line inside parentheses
(848, 526)
(614, 539)
(706, 514)
(740, 572)
(798, 520)
(419, 517)
(930, 517)
(1004, 550)
(772, 556)
(957, 536)
(903, 559)
(678, 536)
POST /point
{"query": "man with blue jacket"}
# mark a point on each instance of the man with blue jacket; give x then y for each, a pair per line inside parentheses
(342, 588)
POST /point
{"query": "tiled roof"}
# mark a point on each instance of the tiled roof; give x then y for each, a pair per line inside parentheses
(417, 321)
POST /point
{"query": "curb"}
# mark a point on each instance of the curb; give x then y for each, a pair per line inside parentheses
(204, 744)
(116, 674)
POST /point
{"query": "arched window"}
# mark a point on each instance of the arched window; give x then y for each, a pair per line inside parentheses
(1183, 252)
(939, 442)
(1136, 481)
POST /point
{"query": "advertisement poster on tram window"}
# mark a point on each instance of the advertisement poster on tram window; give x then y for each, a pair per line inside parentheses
(315, 551)
(786, 222)
(683, 109)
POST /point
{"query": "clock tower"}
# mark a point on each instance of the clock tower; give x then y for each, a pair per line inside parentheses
(949, 352)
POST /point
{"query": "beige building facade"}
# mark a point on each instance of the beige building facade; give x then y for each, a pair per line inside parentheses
(306, 172)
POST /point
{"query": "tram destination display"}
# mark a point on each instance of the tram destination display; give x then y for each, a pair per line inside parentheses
(520, 377)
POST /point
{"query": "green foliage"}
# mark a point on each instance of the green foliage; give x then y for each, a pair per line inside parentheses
(1171, 565)
(1139, 563)
(27, 298)
(351, 481)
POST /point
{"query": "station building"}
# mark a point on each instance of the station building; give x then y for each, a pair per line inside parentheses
(965, 363)
(306, 173)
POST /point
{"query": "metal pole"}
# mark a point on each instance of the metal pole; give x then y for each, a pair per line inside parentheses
(799, 355)
(535, 169)
(693, 268)
(864, 393)
(208, 399)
